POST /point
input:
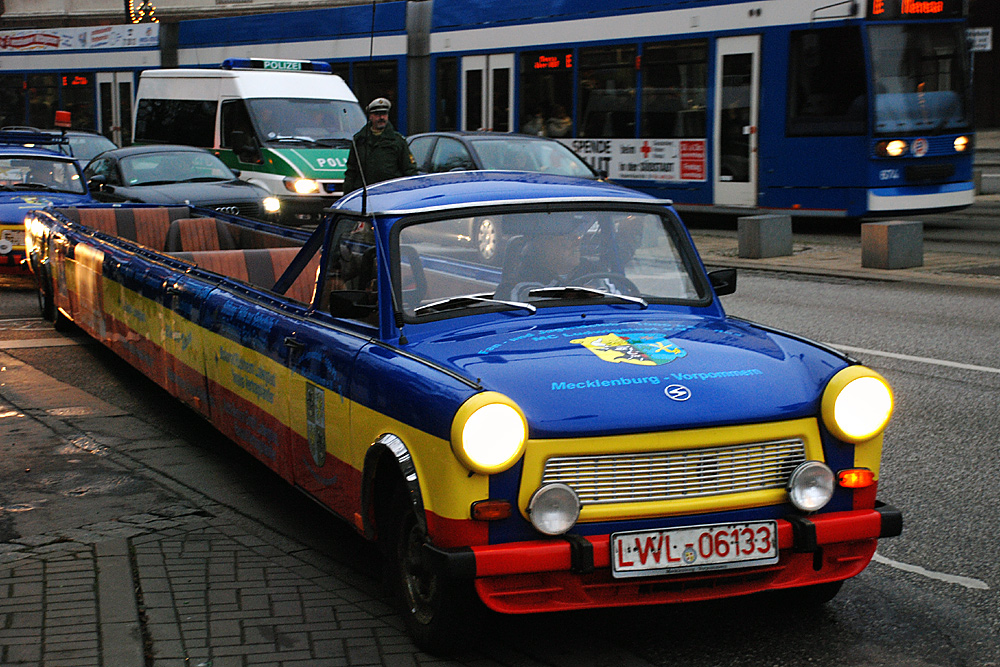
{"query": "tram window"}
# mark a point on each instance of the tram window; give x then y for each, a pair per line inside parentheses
(827, 94)
(12, 99)
(43, 98)
(607, 91)
(546, 92)
(78, 98)
(674, 81)
(447, 94)
(377, 79)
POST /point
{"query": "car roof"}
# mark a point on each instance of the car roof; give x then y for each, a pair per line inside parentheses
(469, 188)
(482, 134)
(153, 148)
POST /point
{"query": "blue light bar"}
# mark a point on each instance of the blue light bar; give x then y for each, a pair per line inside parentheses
(278, 65)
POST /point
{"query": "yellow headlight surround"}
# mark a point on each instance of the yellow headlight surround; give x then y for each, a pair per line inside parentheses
(488, 433)
(856, 404)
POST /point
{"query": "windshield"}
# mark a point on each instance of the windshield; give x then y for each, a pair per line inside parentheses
(306, 120)
(919, 73)
(179, 167)
(528, 155)
(40, 173)
(547, 258)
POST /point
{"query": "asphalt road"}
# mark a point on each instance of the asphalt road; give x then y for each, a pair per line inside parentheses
(930, 599)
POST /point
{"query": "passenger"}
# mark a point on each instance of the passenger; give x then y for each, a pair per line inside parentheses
(559, 123)
(383, 151)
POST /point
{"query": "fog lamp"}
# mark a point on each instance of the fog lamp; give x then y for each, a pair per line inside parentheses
(554, 509)
(811, 486)
(961, 143)
(272, 204)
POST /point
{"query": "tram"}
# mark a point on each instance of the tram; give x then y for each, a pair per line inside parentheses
(847, 109)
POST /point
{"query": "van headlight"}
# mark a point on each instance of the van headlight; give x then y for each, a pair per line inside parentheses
(856, 404)
(488, 433)
(301, 186)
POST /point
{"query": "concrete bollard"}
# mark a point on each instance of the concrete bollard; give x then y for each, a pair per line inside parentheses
(893, 244)
(762, 236)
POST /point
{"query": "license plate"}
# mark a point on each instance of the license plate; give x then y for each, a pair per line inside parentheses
(14, 236)
(712, 547)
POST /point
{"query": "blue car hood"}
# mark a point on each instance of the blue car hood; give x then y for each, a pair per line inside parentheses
(15, 205)
(655, 372)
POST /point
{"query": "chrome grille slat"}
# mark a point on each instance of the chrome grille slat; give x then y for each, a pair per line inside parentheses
(671, 475)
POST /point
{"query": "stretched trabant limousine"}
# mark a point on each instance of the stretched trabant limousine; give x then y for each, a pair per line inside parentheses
(576, 424)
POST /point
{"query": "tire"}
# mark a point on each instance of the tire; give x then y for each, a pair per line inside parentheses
(46, 302)
(442, 615)
(487, 238)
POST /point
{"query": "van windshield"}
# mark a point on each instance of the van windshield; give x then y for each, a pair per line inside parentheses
(308, 121)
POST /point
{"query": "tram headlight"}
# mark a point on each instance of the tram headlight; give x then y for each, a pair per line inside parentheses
(488, 433)
(856, 404)
(961, 143)
(301, 186)
(893, 148)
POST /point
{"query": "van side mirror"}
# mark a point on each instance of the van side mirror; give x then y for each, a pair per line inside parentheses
(723, 281)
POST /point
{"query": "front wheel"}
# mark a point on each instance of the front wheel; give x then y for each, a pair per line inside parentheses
(441, 614)
(46, 301)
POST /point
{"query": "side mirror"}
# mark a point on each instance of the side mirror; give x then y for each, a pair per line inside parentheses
(97, 183)
(723, 281)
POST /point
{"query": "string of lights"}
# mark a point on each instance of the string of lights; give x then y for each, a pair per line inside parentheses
(141, 11)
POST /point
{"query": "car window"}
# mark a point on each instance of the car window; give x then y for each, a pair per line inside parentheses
(86, 147)
(420, 149)
(173, 167)
(608, 254)
(450, 155)
(40, 173)
(528, 155)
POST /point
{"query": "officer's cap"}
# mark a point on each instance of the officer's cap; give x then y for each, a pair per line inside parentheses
(379, 104)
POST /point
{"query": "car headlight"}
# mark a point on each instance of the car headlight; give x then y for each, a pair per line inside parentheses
(272, 204)
(811, 486)
(961, 143)
(301, 186)
(554, 509)
(488, 433)
(856, 404)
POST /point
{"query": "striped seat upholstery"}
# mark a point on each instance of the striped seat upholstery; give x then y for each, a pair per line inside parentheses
(260, 267)
(195, 234)
(146, 226)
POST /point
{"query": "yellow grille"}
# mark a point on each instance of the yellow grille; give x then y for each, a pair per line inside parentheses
(675, 475)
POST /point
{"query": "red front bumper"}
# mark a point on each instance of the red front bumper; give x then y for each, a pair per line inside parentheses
(13, 263)
(575, 573)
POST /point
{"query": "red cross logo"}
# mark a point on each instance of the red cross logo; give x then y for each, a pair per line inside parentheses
(645, 149)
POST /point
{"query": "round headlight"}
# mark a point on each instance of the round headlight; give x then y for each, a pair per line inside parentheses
(272, 204)
(488, 433)
(857, 404)
(554, 509)
(811, 486)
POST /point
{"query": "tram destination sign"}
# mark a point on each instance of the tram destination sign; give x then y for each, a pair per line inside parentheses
(914, 9)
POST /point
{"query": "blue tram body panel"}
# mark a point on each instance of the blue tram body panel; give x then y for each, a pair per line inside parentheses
(525, 428)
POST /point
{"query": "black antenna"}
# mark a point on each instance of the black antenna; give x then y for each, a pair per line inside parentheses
(364, 181)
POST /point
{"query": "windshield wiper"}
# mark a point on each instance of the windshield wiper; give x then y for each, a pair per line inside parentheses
(334, 141)
(296, 139)
(470, 300)
(576, 292)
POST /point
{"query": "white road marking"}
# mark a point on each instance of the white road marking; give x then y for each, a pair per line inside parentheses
(39, 342)
(968, 582)
(923, 360)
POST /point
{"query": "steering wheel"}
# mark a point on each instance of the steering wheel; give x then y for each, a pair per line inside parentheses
(619, 280)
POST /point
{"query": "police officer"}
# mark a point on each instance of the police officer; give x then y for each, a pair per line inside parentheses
(383, 151)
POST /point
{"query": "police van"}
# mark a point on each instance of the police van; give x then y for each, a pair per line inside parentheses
(283, 124)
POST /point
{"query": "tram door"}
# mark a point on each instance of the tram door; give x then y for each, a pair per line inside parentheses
(488, 92)
(737, 103)
(114, 106)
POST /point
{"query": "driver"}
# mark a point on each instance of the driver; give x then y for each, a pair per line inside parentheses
(547, 260)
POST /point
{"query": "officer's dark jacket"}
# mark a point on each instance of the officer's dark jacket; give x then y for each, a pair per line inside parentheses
(383, 156)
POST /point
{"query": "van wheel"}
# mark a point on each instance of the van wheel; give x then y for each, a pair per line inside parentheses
(442, 615)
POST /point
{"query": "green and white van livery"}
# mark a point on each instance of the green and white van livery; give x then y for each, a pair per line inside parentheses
(285, 125)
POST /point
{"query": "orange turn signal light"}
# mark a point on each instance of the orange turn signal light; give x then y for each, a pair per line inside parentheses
(855, 478)
(490, 510)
